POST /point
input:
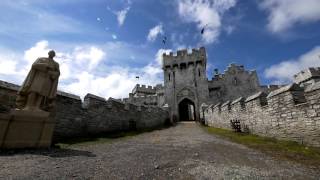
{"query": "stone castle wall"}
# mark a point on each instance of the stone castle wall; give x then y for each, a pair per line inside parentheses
(290, 113)
(95, 115)
(308, 76)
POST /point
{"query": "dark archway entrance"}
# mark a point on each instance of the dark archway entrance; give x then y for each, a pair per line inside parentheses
(186, 110)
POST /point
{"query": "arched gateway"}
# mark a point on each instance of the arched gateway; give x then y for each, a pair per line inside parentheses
(187, 110)
(185, 83)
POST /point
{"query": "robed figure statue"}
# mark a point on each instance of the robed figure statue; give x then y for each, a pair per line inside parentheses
(39, 89)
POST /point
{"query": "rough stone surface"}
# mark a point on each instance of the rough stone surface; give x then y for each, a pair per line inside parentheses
(308, 76)
(26, 129)
(287, 113)
(146, 95)
(94, 116)
(98, 116)
(182, 152)
(235, 82)
(185, 78)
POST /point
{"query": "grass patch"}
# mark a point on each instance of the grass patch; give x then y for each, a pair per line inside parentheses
(101, 138)
(289, 150)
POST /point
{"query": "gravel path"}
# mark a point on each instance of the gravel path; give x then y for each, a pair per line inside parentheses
(182, 152)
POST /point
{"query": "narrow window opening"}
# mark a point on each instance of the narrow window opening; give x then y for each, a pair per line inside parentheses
(199, 72)
(174, 76)
(235, 81)
(169, 76)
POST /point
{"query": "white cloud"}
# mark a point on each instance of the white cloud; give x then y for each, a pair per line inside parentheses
(117, 84)
(81, 57)
(15, 66)
(88, 56)
(7, 63)
(154, 32)
(152, 69)
(121, 15)
(206, 14)
(284, 71)
(283, 14)
(114, 36)
(39, 50)
(80, 68)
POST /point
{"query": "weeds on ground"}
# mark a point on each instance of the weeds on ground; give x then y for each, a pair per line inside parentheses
(289, 150)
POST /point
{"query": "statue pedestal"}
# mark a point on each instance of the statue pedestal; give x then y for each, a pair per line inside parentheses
(26, 129)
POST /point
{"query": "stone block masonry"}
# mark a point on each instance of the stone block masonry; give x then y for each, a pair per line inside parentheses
(95, 115)
(289, 113)
(185, 82)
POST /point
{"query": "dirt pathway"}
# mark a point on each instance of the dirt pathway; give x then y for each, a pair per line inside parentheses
(182, 152)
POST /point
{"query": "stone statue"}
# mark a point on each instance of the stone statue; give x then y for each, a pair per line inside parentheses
(39, 89)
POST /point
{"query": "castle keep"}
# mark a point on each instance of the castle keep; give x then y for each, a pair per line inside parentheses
(185, 83)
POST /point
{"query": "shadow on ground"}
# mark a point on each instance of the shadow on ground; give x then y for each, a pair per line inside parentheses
(54, 152)
(106, 137)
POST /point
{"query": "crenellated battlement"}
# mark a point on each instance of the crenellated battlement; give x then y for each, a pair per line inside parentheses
(308, 76)
(184, 52)
(290, 112)
(232, 70)
(183, 57)
(147, 95)
(14, 87)
(143, 90)
(94, 116)
(235, 81)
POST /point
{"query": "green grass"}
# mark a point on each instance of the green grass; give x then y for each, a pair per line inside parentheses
(289, 150)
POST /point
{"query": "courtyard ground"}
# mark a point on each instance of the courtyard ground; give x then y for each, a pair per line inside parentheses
(185, 151)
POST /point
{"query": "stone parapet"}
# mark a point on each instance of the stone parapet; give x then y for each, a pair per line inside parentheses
(290, 113)
(312, 73)
(184, 58)
(94, 116)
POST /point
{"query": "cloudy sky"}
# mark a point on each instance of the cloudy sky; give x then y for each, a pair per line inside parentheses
(102, 45)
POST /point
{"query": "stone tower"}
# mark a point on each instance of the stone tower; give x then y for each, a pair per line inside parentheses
(185, 83)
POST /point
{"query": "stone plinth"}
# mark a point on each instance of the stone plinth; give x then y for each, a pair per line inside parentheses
(26, 129)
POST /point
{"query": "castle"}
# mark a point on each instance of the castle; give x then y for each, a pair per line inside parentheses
(284, 112)
(289, 112)
(186, 86)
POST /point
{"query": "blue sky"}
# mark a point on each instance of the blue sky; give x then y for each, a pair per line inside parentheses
(102, 45)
